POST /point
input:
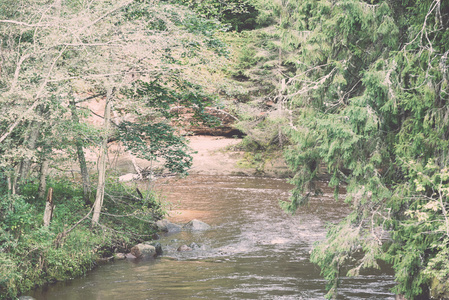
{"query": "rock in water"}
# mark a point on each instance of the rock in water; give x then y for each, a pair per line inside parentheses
(143, 251)
(194, 246)
(196, 225)
(157, 246)
(184, 248)
(167, 226)
(119, 256)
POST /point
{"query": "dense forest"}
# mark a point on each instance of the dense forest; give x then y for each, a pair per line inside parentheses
(356, 92)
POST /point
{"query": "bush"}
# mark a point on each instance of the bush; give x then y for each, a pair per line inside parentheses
(32, 255)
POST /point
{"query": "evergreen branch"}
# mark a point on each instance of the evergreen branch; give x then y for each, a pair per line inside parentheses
(313, 85)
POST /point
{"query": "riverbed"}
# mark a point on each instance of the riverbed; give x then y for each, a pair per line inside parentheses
(254, 250)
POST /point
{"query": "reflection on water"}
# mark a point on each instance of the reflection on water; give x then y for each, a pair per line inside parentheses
(253, 251)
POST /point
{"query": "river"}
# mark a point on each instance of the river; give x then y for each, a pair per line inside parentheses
(253, 251)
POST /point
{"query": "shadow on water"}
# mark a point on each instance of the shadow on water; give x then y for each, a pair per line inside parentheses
(253, 251)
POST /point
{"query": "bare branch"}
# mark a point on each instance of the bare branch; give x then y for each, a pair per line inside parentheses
(17, 72)
(90, 98)
(24, 24)
(105, 15)
(36, 101)
(90, 45)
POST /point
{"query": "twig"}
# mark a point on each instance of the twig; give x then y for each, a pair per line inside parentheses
(36, 101)
(24, 24)
(63, 234)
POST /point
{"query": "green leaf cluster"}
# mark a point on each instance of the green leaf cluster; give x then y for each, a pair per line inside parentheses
(32, 255)
(368, 106)
(59, 59)
(238, 14)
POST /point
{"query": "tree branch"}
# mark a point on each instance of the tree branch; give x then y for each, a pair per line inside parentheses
(24, 24)
(17, 72)
(36, 101)
(105, 15)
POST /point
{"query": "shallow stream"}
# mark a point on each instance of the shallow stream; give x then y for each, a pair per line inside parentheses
(253, 251)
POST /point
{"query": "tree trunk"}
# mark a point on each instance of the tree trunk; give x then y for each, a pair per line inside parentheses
(81, 159)
(30, 143)
(49, 206)
(43, 179)
(12, 182)
(102, 161)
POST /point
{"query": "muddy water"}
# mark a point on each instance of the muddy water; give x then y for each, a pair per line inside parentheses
(253, 251)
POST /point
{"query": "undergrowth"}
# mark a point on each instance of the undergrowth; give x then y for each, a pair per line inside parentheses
(32, 254)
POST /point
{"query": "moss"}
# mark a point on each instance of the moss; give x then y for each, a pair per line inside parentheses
(439, 289)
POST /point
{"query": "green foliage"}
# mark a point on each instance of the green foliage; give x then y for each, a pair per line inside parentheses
(16, 217)
(239, 14)
(57, 59)
(31, 254)
(152, 137)
(368, 100)
(157, 141)
(130, 211)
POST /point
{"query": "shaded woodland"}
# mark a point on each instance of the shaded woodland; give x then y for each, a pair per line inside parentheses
(352, 91)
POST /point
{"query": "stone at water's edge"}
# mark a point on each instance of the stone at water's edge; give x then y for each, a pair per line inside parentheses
(184, 248)
(167, 226)
(196, 225)
(157, 246)
(143, 251)
(194, 246)
(119, 256)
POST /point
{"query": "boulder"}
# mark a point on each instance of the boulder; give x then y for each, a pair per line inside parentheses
(119, 256)
(196, 225)
(184, 248)
(143, 251)
(103, 260)
(194, 246)
(167, 226)
(157, 246)
(130, 256)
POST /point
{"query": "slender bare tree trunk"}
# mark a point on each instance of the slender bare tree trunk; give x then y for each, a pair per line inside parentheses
(43, 179)
(12, 181)
(81, 159)
(102, 161)
(49, 206)
(30, 143)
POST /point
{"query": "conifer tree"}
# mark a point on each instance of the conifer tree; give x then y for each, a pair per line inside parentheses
(369, 101)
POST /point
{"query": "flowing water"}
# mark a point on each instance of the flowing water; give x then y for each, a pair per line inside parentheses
(253, 251)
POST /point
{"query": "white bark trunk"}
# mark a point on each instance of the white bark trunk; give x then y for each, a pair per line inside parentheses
(102, 161)
(49, 206)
